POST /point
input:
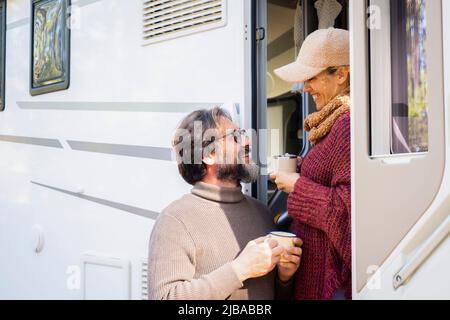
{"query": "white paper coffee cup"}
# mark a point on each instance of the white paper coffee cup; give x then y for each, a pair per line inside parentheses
(285, 163)
(284, 239)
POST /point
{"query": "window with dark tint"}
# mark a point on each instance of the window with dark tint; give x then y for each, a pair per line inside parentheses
(399, 77)
(409, 76)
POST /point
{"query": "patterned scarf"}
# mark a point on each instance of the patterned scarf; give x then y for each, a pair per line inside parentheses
(319, 123)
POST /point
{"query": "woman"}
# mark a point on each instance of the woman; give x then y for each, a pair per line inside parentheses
(319, 197)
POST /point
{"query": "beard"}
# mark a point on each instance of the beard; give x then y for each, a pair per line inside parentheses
(246, 173)
(240, 171)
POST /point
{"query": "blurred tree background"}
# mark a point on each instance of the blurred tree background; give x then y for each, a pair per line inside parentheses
(417, 71)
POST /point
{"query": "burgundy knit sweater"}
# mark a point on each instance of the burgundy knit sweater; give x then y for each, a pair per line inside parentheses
(320, 208)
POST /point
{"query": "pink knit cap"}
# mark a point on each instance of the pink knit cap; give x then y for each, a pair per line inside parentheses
(321, 49)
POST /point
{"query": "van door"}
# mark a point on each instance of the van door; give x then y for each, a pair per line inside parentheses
(398, 139)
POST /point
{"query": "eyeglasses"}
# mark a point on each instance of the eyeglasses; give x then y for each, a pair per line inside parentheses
(237, 135)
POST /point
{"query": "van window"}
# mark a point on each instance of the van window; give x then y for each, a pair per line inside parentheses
(50, 46)
(2, 52)
(398, 49)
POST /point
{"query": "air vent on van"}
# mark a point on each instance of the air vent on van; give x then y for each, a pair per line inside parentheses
(168, 19)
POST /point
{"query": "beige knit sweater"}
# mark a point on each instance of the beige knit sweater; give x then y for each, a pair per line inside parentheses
(196, 237)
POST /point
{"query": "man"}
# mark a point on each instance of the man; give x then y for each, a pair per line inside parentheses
(211, 244)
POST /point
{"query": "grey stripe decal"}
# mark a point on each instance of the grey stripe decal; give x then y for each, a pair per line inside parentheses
(123, 150)
(34, 141)
(169, 107)
(116, 205)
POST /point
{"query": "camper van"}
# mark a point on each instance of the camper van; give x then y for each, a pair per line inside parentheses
(91, 92)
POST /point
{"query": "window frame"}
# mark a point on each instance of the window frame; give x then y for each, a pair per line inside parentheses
(3, 16)
(380, 88)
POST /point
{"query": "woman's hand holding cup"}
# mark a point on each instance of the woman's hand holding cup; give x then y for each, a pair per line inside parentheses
(285, 172)
(285, 181)
(291, 256)
(291, 261)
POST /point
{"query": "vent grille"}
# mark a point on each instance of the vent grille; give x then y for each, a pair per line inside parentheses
(168, 19)
(144, 278)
